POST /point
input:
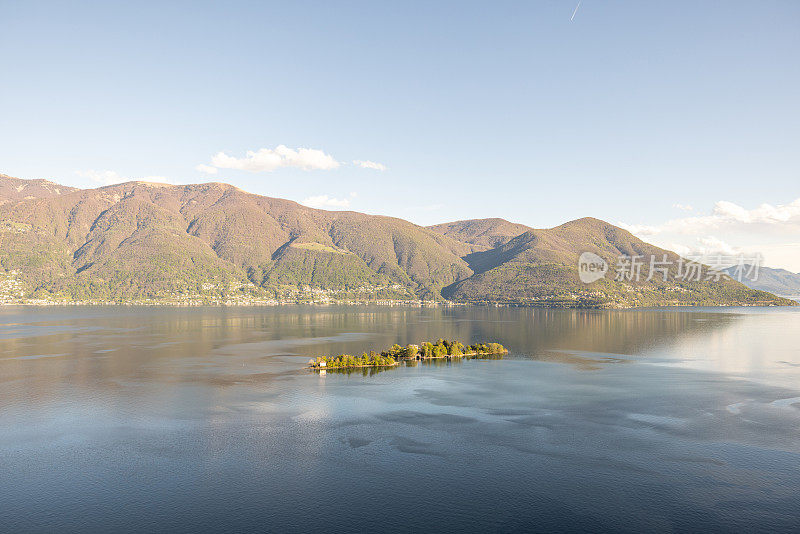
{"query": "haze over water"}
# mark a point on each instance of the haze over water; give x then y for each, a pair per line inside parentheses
(184, 420)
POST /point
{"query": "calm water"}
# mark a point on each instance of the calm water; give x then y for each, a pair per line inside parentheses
(186, 420)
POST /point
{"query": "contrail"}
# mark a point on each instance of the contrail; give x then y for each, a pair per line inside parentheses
(576, 10)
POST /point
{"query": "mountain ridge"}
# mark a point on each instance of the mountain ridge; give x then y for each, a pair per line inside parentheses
(213, 242)
(540, 267)
(777, 281)
(489, 233)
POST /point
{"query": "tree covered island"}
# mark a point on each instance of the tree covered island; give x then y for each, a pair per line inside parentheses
(397, 353)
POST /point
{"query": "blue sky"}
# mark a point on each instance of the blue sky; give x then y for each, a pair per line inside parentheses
(632, 112)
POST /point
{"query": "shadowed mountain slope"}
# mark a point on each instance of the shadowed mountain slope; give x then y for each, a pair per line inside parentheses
(777, 281)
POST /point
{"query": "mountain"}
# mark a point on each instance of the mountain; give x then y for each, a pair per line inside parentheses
(484, 233)
(212, 243)
(777, 281)
(140, 240)
(18, 189)
(540, 267)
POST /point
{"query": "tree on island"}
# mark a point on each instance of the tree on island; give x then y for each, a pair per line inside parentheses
(441, 349)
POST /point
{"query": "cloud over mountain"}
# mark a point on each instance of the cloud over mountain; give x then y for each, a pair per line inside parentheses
(770, 230)
(208, 169)
(728, 215)
(270, 159)
(324, 201)
(366, 164)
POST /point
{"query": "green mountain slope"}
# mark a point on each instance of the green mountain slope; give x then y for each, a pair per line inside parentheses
(149, 241)
(209, 243)
(484, 233)
(540, 267)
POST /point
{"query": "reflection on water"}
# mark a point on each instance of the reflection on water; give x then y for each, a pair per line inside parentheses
(204, 419)
(436, 362)
(97, 347)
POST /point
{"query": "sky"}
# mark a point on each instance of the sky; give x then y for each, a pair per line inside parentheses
(676, 120)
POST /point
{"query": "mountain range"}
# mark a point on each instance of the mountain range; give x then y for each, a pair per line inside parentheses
(140, 242)
(777, 281)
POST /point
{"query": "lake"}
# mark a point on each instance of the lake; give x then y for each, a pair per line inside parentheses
(202, 419)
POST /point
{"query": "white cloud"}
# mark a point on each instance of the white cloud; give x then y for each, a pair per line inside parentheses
(729, 216)
(367, 164)
(729, 229)
(683, 207)
(714, 245)
(324, 201)
(207, 169)
(783, 255)
(102, 177)
(269, 159)
(705, 246)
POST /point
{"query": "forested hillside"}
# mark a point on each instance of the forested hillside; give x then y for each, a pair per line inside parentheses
(147, 241)
(212, 243)
(540, 267)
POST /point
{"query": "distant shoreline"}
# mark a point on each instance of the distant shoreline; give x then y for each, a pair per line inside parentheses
(795, 301)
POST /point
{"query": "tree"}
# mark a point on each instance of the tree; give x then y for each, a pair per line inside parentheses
(411, 351)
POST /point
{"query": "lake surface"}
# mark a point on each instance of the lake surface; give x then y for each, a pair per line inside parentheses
(187, 420)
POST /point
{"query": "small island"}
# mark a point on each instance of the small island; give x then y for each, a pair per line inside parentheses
(397, 353)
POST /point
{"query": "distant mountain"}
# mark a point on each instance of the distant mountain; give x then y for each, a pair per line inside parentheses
(484, 233)
(212, 243)
(777, 281)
